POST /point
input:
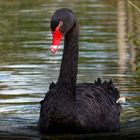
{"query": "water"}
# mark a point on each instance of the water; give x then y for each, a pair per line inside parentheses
(27, 67)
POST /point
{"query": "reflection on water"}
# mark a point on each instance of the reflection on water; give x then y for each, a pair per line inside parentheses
(27, 67)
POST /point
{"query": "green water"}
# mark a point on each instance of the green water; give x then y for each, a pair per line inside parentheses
(27, 67)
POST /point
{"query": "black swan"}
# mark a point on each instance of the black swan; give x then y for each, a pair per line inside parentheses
(76, 108)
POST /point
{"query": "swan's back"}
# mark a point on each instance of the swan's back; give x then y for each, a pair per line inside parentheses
(96, 105)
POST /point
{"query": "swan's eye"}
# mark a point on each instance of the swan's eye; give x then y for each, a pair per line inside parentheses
(60, 23)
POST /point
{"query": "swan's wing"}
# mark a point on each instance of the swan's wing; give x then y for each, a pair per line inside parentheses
(96, 105)
(107, 88)
(52, 85)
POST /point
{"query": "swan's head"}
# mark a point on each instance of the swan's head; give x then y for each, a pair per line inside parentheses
(61, 22)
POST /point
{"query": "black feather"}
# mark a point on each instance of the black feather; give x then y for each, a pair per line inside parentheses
(52, 85)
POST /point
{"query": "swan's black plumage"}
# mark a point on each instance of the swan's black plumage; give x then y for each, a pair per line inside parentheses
(77, 108)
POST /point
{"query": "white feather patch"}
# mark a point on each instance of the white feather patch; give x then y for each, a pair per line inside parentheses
(121, 100)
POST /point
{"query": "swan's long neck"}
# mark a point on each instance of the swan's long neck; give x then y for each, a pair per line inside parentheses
(68, 70)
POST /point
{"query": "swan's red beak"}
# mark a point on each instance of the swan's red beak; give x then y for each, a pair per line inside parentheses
(56, 38)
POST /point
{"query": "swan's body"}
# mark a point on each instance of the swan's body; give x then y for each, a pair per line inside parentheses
(81, 108)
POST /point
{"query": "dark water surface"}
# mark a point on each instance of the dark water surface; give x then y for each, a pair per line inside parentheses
(27, 67)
